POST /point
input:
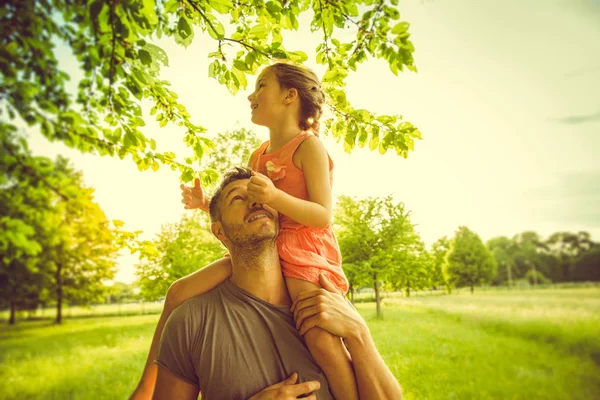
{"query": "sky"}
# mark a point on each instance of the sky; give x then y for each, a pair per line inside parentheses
(507, 97)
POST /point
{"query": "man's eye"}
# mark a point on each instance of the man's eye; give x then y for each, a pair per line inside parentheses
(237, 198)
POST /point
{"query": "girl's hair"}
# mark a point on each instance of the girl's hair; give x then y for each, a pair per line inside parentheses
(309, 90)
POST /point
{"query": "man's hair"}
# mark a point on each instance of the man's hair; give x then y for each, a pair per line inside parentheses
(230, 176)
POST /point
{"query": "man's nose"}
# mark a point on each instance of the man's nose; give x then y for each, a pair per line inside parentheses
(253, 204)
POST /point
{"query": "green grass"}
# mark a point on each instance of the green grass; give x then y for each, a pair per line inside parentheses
(102, 310)
(535, 344)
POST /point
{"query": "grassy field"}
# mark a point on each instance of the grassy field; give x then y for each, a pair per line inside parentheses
(531, 344)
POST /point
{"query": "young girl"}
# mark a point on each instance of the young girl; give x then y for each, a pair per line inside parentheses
(294, 176)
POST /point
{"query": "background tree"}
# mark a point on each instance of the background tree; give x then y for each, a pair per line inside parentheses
(470, 263)
(178, 250)
(587, 267)
(371, 232)
(567, 248)
(532, 254)
(24, 202)
(58, 242)
(120, 293)
(82, 245)
(412, 265)
(357, 276)
(439, 254)
(503, 249)
(232, 148)
(112, 42)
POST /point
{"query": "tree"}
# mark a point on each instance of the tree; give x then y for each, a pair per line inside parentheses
(412, 268)
(232, 148)
(530, 253)
(24, 201)
(439, 253)
(82, 244)
(371, 233)
(56, 239)
(587, 267)
(470, 263)
(112, 42)
(503, 249)
(357, 276)
(120, 292)
(179, 250)
(567, 248)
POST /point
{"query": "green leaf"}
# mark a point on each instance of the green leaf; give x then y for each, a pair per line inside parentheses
(130, 140)
(95, 8)
(273, 8)
(400, 27)
(298, 56)
(184, 32)
(144, 57)
(221, 6)
(374, 138)
(259, 32)
(213, 68)
(362, 138)
(327, 19)
(158, 54)
(215, 28)
(152, 144)
(241, 78)
(187, 175)
(171, 6)
(240, 65)
(415, 133)
(331, 75)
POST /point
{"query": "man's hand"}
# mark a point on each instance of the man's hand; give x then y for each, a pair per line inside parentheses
(287, 390)
(261, 189)
(194, 197)
(327, 309)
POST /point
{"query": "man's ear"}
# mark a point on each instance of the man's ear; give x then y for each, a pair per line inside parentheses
(290, 95)
(217, 230)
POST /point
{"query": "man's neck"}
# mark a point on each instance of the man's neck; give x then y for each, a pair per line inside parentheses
(258, 272)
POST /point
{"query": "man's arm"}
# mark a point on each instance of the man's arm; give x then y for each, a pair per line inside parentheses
(327, 309)
(374, 378)
(169, 386)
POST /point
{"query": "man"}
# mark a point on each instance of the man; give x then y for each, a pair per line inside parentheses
(237, 340)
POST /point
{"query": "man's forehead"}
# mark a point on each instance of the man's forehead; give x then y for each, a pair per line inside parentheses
(237, 184)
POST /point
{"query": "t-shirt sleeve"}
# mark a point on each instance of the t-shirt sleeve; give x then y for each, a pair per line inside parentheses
(175, 347)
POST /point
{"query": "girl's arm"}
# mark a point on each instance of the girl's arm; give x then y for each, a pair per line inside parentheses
(316, 212)
(181, 290)
(194, 197)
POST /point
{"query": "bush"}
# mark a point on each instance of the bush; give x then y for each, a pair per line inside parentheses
(531, 276)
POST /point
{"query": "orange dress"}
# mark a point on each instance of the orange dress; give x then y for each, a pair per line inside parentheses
(304, 252)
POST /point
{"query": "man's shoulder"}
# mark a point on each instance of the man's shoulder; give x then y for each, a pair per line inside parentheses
(208, 297)
(197, 306)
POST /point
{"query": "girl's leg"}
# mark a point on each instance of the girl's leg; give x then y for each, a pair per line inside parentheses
(181, 290)
(328, 351)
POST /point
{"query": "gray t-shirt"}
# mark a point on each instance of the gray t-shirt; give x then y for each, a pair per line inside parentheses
(232, 345)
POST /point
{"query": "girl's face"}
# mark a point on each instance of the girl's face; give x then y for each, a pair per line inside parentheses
(267, 100)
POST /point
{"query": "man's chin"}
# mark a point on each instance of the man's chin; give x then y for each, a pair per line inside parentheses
(252, 233)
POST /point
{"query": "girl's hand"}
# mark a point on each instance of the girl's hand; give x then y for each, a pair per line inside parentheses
(194, 197)
(327, 309)
(261, 189)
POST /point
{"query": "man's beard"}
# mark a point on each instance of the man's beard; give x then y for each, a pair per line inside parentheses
(245, 242)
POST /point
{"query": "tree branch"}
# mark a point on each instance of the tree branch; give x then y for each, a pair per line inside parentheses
(111, 73)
